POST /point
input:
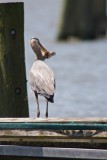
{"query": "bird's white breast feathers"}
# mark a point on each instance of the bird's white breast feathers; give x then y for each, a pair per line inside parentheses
(42, 78)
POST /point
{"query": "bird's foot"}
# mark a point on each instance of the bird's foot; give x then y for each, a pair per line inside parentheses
(46, 115)
(38, 114)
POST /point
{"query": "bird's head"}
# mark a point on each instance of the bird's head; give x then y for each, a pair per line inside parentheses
(40, 51)
(35, 40)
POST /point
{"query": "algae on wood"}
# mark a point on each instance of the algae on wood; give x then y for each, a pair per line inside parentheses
(13, 93)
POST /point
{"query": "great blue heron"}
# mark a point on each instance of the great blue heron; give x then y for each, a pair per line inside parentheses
(42, 79)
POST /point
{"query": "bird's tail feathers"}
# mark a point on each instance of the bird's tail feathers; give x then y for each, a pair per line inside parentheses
(50, 99)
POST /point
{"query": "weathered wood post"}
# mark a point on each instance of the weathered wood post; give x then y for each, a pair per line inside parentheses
(13, 93)
(85, 19)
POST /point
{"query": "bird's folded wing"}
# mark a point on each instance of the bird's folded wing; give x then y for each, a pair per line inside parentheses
(42, 80)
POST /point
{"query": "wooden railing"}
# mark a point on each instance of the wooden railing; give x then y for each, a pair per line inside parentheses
(84, 138)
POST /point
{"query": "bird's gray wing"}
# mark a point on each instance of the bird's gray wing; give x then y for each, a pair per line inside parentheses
(42, 79)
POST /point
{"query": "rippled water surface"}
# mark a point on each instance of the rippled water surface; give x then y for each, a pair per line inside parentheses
(80, 66)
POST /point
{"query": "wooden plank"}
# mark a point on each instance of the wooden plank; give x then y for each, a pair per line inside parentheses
(22, 136)
(51, 152)
(52, 141)
(61, 120)
(53, 134)
(52, 126)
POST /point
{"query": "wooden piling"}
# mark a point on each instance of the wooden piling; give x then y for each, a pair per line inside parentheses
(85, 19)
(13, 93)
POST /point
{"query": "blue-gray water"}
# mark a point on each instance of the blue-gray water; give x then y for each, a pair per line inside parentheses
(80, 66)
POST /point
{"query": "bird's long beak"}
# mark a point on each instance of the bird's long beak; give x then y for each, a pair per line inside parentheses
(46, 53)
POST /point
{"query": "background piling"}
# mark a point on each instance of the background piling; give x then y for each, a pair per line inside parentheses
(85, 19)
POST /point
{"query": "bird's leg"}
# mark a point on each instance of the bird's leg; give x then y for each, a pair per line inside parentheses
(46, 115)
(38, 110)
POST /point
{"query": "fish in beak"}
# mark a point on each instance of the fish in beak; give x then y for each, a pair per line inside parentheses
(45, 53)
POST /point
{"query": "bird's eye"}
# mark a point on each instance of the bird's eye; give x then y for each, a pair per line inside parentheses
(37, 39)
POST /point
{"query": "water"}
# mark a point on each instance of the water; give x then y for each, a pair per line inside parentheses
(80, 66)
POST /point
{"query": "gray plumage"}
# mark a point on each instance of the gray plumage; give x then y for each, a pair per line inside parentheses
(42, 79)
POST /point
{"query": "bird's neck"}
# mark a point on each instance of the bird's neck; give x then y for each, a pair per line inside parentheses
(40, 58)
